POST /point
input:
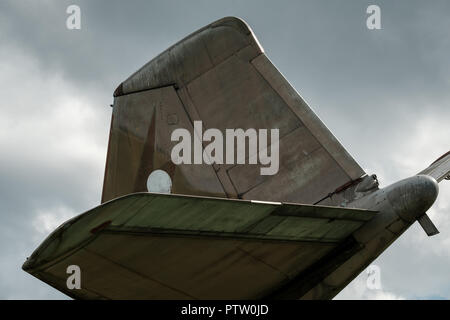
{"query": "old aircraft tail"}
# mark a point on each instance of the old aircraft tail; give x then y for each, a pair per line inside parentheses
(208, 119)
(439, 169)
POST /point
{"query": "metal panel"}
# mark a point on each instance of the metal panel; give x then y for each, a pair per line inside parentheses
(296, 150)
(137, 266)
(105, 279)
(234, 95)
(194, 55)
(309, 118)
(200, 216)
(140, 143)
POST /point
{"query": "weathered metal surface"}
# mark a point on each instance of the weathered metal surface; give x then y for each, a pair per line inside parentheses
(140, 143)
(152, 266)
(308, 117)
(194, 247)
(399, 204)
(195, 55)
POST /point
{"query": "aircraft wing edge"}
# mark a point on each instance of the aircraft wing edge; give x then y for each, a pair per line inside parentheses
(253, 220)
(439, 169)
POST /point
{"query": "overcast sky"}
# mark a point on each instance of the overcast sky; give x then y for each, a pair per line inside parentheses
(383, 93)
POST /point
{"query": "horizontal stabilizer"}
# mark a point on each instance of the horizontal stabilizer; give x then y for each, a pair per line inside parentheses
(440, 169)
(166, 246)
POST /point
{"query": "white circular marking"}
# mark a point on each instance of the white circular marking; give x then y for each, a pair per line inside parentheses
(159, 181)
